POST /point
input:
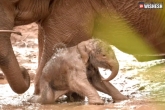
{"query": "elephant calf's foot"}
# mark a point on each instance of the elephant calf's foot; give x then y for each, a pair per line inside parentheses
(34, 99)
(96, 102)
(2, 76)
(119, 97)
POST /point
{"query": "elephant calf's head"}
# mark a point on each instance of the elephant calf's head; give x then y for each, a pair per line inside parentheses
(99, 54)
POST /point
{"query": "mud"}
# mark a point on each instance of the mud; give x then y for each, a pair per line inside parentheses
(142, 82)
(144, 92)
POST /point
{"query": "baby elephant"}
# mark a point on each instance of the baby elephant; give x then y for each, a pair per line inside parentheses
(75, 69)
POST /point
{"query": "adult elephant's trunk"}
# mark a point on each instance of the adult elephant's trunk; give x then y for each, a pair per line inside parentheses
(114, 67)
(17, 77)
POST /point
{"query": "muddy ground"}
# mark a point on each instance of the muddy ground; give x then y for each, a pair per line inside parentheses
(142, 82)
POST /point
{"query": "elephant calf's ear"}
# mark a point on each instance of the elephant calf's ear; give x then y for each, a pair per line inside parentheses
(83, 51)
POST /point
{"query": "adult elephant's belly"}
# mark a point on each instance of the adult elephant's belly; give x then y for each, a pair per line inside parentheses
(120, 34)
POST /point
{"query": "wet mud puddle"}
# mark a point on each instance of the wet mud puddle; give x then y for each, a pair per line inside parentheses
(144, 87)
(142, 82)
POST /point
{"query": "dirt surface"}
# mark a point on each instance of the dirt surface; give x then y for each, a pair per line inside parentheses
(142, 82)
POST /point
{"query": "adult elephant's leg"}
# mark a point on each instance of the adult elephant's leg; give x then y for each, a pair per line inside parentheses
(64, 28)
(45, 54)
(40, 42)
(41, 34)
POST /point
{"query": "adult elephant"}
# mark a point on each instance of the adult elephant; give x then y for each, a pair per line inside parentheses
(72, 21)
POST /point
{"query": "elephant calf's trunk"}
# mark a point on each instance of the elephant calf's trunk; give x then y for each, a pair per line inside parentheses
(114, 69)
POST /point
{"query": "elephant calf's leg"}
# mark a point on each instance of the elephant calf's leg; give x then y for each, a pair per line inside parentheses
(57, 94)
(85, 88)
(74, 97)
(46, 94)
(112, 91)
(107, 87)
(116, 95)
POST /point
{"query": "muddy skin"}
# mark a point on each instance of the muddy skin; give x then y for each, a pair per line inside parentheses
(74, 70)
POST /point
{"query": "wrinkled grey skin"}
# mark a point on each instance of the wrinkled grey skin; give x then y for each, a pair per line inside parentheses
(69, 22)
(75, 69)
